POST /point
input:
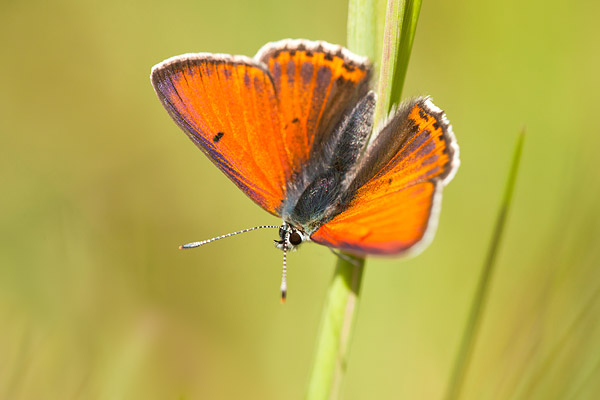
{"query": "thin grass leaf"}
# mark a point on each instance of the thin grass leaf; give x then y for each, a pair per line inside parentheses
(399, 34)
(335, 331)
(341, 305)
(469, 338)
(362, 36)
(587, 313)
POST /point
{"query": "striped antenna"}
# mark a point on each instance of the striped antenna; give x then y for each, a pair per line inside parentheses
(197, 244)
(284, 270)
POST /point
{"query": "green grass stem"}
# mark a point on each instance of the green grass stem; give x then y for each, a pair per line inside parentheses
(362, 28)
(336, 328)
(398, 37)
(469, 338)
(391, 56)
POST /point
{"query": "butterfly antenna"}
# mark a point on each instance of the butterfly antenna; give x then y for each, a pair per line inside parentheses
(284, 270)
(197, 244)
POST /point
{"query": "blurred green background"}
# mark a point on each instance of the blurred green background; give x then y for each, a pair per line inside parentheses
(99, 187)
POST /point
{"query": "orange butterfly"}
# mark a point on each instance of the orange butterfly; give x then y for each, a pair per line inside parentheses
(290, 127)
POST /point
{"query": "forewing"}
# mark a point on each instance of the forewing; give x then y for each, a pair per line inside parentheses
(228, 108)
(315, 82)
(393, 203)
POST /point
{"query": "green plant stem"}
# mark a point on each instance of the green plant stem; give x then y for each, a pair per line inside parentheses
(336, 328)
(391, 55)
(469, 338)
(398, 37)
(362, 29)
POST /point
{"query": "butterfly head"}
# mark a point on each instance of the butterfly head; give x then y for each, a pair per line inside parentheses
(290, 237)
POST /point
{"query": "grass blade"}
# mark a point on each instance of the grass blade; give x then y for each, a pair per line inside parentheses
(336, 330)
(399, 33)
(469, 338)
(339, 311)
(362, 29)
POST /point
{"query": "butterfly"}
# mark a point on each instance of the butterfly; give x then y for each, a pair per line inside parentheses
(291, 128)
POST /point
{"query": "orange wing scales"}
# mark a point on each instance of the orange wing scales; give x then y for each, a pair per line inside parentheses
(229, 110)
(261, 120)
(424, 156)
(386, 224)
(314, 86)
(392, 211)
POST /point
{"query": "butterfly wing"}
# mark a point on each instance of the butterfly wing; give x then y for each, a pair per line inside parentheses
(315, 82)
(393, 203)
(228, 108)
(259, 119)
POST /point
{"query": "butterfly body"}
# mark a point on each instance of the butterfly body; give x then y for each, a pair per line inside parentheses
(292, 129)
(320, 192)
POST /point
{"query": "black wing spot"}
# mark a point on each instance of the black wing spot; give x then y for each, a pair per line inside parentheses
(436, 125)
(218, 137)
(390, 181)
(349, 68)
(328, 57)
(422, 114)
(295, 120)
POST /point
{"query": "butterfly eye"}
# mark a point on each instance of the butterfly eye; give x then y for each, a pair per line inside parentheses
(295, 238)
